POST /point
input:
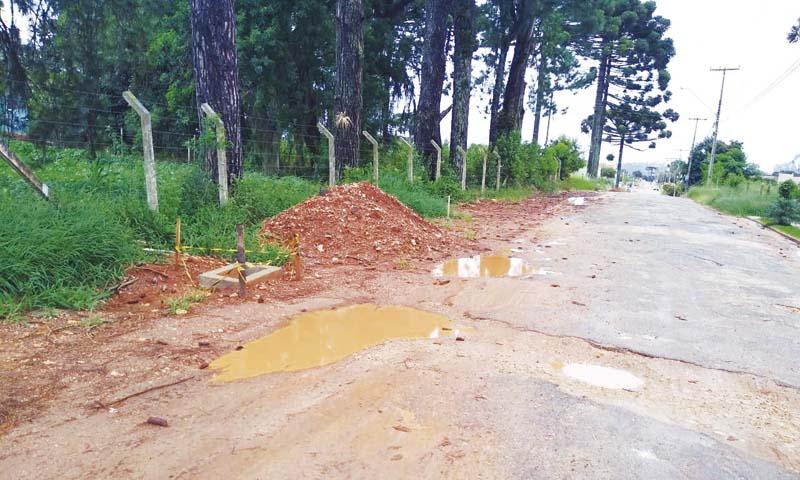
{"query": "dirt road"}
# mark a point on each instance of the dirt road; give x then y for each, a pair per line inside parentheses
(701, 308)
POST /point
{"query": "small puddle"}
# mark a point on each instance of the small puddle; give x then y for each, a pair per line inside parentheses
(484, 266)
(598, 376)
(321, 337)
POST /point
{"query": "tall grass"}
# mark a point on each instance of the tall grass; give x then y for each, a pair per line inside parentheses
(60, 256)
(739, 201)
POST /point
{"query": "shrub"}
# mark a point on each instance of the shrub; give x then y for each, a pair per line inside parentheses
(608, 172)
(784, 211)
(788, 190)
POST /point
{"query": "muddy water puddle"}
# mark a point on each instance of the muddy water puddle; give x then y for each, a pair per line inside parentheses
(494, 266)
(317, 338)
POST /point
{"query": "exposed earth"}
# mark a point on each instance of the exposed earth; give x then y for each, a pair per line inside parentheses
(656, 339)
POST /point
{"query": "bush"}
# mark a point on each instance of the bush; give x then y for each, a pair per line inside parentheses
(788, 190)
(608, 172)
(670, 189)
(784, 211)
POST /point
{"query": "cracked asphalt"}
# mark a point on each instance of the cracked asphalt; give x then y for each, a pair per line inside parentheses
(696, 305)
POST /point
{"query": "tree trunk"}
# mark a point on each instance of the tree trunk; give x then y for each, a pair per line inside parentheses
(540, 91)
(349, 71)
(463, 26)
(619, 161)
(216, 75)
(510, 118)
(598, 117)
(431, 81)
(497, 90)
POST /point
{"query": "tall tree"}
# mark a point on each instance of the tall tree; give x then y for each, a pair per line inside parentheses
(464, 13)
(428, 116)
(497, 41)
(629, 45)
(511, 113)
(349, 72)
(635, 120)
(216, 75)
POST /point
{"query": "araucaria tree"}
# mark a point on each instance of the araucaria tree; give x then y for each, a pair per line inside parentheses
(216, 75)
(349, 71)
(635, 120)
(631, 49)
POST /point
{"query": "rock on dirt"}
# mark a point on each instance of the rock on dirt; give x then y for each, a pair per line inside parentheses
(358, 223)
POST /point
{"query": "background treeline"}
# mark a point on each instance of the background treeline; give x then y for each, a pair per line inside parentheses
(378, 65)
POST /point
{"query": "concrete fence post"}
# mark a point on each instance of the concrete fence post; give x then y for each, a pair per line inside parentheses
(375, 167)
(331, 154)
(150, 182)
(463, 155)
(410, 160)
(438, 160)
(222, 162)
(499, 167)
(483, 175)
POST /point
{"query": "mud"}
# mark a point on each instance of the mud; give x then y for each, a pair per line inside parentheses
(322, 337)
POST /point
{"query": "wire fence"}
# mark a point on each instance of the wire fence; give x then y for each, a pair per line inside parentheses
(103, 123)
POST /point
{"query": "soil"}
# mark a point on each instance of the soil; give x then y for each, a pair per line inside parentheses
(361, 230)
(359, 223)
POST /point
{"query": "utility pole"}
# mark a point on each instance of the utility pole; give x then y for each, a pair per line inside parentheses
(694, 139)
(724, 71)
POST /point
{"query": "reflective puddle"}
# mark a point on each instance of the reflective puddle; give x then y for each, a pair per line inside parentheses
(598, 376)
(484, 266)
(321, 337)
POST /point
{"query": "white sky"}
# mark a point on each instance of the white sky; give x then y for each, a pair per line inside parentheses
(706, 33)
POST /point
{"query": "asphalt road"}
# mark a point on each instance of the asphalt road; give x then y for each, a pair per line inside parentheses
(675, 279)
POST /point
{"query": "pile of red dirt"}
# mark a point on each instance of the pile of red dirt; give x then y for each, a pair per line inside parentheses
(358, 223)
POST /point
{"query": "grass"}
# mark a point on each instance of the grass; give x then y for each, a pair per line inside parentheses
(735, 200)
(790, 230)
(575, 183)
(181, 304)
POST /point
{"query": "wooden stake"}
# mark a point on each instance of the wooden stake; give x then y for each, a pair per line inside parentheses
(483, 175)
(25, 172)
(499, 167)
(410, 160)
(241, 260)
(177, 241)
(375, 172)
(151, 185)
(463, 166)
(331, 154)
(438, 159)
(222, 163)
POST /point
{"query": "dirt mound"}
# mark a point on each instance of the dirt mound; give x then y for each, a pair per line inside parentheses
(358, 223)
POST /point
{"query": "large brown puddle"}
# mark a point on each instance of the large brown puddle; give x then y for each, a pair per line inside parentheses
(321, 337)
(484, 266)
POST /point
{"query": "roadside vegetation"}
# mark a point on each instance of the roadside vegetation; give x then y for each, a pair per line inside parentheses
(776, 206)
(69, 252)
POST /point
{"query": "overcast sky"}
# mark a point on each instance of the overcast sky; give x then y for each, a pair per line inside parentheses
(708, 33)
